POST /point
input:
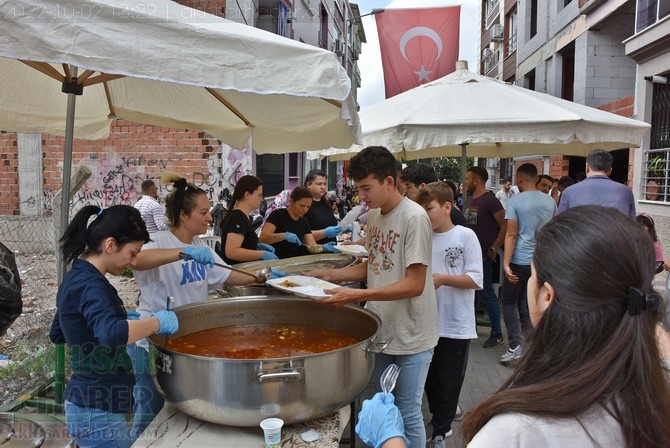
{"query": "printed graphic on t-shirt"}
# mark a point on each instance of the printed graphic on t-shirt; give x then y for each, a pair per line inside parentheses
(382, 249)
(470, 215)
(453, 256)
(192, 271)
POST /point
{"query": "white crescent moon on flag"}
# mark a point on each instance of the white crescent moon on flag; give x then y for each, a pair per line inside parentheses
(416, 32)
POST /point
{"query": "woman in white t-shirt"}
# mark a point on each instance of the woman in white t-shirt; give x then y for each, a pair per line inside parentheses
(162, 270)
(592, 373)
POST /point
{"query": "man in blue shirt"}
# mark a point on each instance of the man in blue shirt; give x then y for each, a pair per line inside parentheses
(598, 188)
(526, 213)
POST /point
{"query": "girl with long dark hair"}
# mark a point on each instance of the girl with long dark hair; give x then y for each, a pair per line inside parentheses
(593, 373)
(92, 320)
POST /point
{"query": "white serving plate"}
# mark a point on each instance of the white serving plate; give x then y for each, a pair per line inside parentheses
(311, 287)
(352, 249)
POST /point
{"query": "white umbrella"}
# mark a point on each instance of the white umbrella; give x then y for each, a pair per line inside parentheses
(165, 64)
(488, 117)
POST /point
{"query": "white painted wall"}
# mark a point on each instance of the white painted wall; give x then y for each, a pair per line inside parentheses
(29, 148)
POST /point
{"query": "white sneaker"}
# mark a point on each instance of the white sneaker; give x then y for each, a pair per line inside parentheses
(459, 413)
(512, 354)
(441, 441)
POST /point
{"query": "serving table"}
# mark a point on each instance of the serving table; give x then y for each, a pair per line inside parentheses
(173, 428)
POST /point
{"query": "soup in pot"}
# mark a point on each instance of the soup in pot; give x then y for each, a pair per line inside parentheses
(261, 341)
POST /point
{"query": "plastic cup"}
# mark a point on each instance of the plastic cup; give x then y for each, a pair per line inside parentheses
(272, 431)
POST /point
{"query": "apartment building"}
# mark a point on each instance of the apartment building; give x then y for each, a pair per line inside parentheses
(572, 49)
(649, 47)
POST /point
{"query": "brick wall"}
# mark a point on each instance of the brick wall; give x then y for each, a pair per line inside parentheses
(132, 153)
(622, 106)
(9, 188)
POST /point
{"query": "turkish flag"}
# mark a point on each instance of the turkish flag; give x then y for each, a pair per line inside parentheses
(417, 45)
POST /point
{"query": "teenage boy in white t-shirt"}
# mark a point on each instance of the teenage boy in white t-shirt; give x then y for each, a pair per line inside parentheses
(457, 273)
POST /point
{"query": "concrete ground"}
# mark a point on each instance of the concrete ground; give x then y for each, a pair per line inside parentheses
(484, 375)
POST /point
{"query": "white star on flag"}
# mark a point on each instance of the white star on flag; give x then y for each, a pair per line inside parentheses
(423, 74)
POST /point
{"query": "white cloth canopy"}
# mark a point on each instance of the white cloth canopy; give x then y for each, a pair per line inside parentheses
(491, 117)
(165, 64)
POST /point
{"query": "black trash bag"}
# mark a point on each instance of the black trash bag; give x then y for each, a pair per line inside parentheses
(11, 302)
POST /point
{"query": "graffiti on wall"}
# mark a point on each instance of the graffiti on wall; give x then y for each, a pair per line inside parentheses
(235, 165)
(117, 180)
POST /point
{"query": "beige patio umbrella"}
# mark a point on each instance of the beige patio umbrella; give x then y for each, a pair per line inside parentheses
(490, 118)
(165, 64)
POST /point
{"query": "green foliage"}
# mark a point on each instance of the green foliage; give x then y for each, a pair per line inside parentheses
(450, 168)
(128, 272)
(28, 361)
(656, 166)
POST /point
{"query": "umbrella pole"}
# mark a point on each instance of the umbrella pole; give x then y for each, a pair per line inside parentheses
(464, 170)
(59, 380)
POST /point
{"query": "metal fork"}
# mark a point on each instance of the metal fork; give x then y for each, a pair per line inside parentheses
(389, 377)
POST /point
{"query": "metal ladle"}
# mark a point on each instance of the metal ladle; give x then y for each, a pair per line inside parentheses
(316, 249)
(261, 276)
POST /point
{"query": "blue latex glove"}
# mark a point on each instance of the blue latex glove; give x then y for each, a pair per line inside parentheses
(267, 255)
(380, 420)
(350, 228)
(202, 255)
(332, 231)
(267, 247)
(330, 248)
(133, 315)
(169, 324)
(292, 238)
(276, 273)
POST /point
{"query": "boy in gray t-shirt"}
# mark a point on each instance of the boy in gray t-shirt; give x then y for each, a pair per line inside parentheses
(400, 286)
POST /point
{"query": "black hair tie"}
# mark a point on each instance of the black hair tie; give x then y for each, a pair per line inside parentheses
(639, 301)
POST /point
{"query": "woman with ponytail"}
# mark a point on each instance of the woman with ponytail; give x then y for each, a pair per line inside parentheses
(92, 320)
(178, 264)
(239, 242)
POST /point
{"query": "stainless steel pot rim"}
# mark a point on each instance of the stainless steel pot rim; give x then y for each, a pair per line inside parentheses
(367, 341)
(277, 360)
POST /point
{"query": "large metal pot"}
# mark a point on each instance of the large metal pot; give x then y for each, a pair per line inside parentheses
(294, 265)
(243, 392)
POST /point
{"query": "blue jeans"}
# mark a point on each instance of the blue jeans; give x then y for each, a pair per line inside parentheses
(94, 428)
(490, 297)
(148, 402)
(408, 390)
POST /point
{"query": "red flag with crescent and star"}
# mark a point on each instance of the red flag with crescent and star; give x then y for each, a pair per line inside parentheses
(417, 45)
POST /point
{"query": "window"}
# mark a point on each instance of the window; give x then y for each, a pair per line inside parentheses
(656, 172)
(491, 59)
(270, 168)
(491, 5)
(533, 18)
(646, 13)
(530, 80)
(512, 23)
(293, 164)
